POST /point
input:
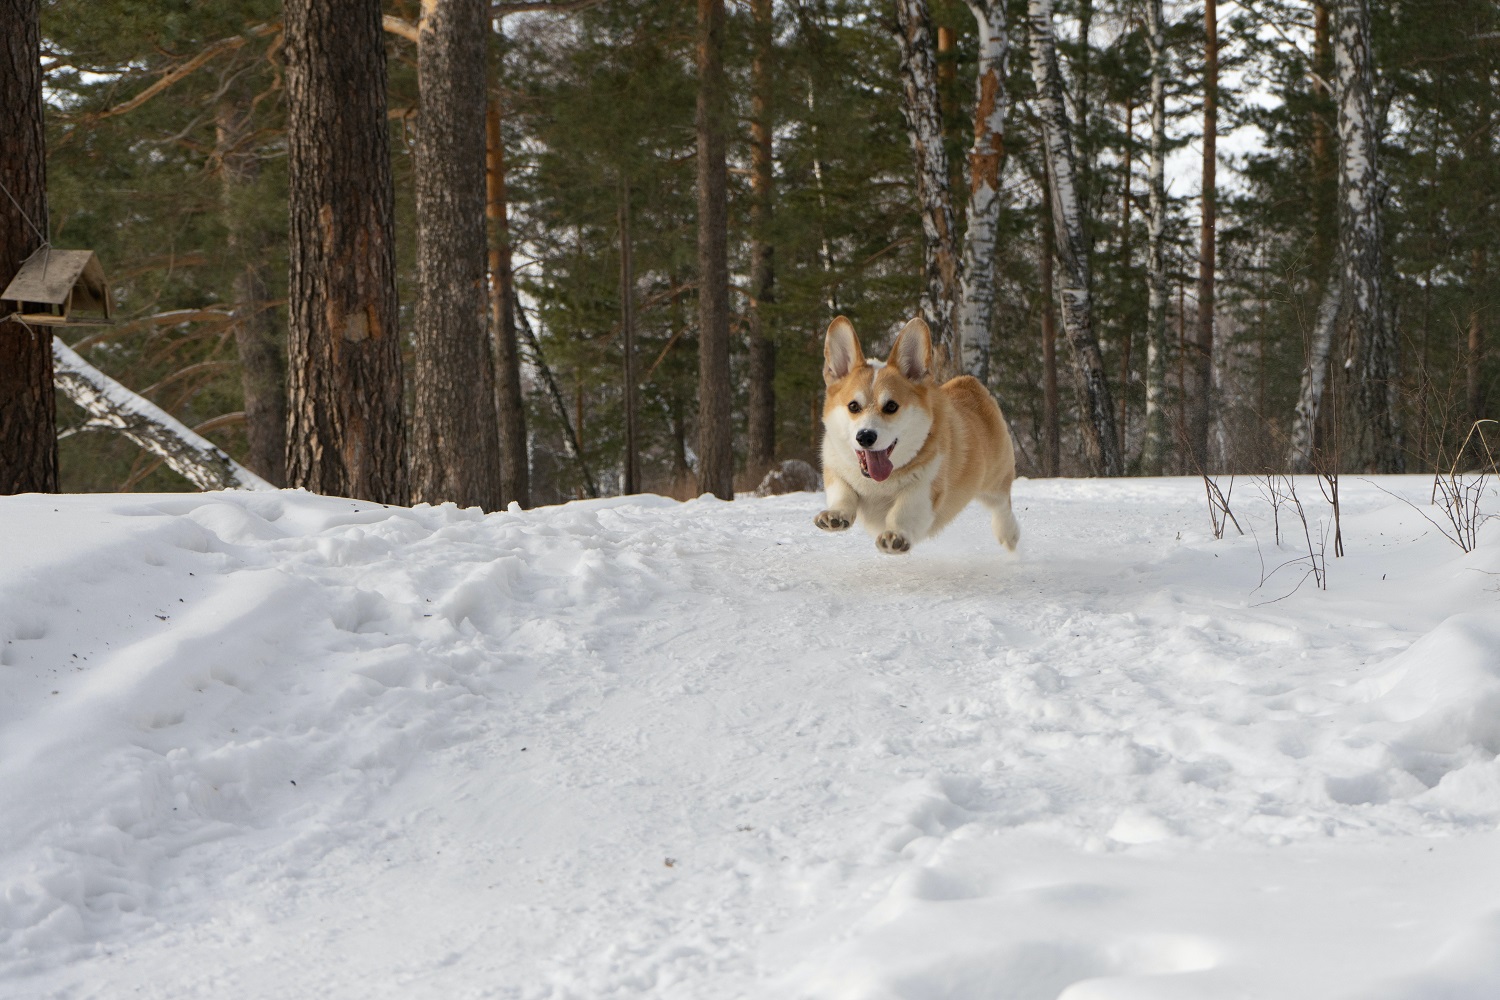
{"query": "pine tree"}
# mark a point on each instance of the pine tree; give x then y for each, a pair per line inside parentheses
(346, 433)
(28, 416)
(715, 432)
(455, 447)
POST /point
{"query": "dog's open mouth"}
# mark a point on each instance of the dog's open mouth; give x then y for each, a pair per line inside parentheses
(876, 465)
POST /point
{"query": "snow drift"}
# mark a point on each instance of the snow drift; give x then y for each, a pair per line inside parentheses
(279, 745)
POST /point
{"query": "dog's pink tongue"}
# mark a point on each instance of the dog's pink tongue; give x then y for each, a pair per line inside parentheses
(878, 464)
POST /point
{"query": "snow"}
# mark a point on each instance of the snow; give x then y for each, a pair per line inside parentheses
(271, 745)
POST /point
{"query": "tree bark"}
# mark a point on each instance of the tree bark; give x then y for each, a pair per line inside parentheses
(1303, 457)
(1375, 439)
(627, 331)
(986, 158)
(715, 433)
(510, 402)
(1308, 415)
(1199, 390)
(1156, 447)
(1127, 338)
(761, 439)
(28, 408)
(346, 432)
(455, 443)
(110, 405)
(1474, 358)
(262, 363)
(1073, 279)
(1051, 430)
(942, 267)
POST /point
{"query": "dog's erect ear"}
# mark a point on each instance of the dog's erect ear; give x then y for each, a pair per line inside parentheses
(911, 354)
(841, 353)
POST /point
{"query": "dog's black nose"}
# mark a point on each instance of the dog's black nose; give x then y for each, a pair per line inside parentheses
(866, 437)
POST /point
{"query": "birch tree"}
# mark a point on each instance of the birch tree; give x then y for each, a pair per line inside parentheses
(1371, 341)
(1072, 278)
(941, 265)
(1303, 456)
(1157, 444)
(986, 157)
(111, 406)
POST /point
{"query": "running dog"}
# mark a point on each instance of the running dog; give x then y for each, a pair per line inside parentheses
(903, 455)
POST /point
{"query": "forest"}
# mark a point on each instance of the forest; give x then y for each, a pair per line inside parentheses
(1171, 238)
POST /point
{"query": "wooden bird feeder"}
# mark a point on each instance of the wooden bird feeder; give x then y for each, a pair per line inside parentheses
(59, 288)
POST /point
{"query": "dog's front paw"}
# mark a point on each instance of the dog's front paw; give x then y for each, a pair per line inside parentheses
(832, 520)
(892, 542)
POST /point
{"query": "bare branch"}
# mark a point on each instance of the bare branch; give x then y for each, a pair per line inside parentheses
(395, 26)
(541, 6)
(188, 68)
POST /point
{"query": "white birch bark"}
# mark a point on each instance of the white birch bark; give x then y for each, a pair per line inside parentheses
(1315, 377)
(986, 157)
(924, 121)
(1375, 444)
(1072, 276)
(1157, 443)
(110, 405)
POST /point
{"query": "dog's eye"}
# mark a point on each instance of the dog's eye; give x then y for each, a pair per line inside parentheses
(854, 406)
(891, 406)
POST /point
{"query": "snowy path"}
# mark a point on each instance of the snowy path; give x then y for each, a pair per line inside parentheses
(270, 746)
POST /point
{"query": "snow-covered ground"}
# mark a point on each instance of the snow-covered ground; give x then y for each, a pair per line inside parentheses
(271, 746)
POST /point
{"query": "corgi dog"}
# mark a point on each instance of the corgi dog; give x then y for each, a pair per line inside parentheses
(903, 455)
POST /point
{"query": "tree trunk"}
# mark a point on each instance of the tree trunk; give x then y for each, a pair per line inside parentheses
(1126, 340)
(761, 439)
(1051, 430)
(1303, 457)
(627, 331)
(510, 402)
(262, 364)
(1200, 370)
(571, 440)
(510, 398)
(109, 404)
(346, 432)
(1474, 359)
(986, 157)
(28, 408)
(1375, 441)
(1308, 418)
(1067, 222)
(715, 433)
(924, 121)
(1157, 444)
(455, 443)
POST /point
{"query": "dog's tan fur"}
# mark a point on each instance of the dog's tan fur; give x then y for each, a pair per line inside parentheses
(947, 445)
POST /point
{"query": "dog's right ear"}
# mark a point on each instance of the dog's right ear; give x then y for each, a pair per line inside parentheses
(841, 353)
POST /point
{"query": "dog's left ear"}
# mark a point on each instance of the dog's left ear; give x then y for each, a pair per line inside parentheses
(911, 354)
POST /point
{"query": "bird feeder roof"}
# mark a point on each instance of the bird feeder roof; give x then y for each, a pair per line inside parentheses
(50, 276)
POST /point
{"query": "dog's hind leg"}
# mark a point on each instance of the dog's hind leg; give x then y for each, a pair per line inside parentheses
(1002, 518)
